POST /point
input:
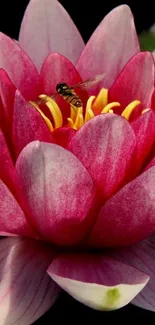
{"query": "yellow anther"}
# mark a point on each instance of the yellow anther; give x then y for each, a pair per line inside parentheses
(54, 110)
(89, 113)
(129, 109)
(73, 113)
(70, 122)
(101, 101)
(108, 107)
(79, 122)
(111, 111)
(47, 121)
(145, 110)
(79, 119)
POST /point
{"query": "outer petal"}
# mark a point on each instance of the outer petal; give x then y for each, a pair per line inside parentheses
(12, 219)
(19, 67)
(135, 82)
(47, 28)
(144, 128)
(7, 92)
(59, 191)
(26, 291)
(112, 44)
(129, 216)
(7, 170)
(142, 256)
(98, 281)
(105, 145)
(28, 125)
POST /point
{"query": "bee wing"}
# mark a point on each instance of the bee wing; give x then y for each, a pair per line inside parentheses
(90, 82)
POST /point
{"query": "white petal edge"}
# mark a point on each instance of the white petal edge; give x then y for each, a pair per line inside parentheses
(26, 291)
(47, 28)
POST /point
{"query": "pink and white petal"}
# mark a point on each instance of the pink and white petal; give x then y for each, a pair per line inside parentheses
(28, 124)
(46, 28)
(142, 257)
(56, 68)
(153, 53)
(63, 136)
(135, 82)
(7, 169)
(58, 190)
(26, 290)
(7, 92)
(144, 128)
(129, 216)
(98, 281)
(12, 219)
(19, 67)
(112, 44)
(105, 145)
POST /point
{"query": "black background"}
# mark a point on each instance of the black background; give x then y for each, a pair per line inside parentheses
(86, 15)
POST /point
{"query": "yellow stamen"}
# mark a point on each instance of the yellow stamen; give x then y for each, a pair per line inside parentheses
(108, 107)
(89, 113)
(111, 111)
(73, 113)
(145, 110)
(79, 119)
(94, 106)
(54, 110)
(129, 109)
(101, 101)
(47, 121)
(70, 123)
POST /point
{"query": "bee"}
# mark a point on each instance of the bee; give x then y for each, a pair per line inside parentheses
(68, 93)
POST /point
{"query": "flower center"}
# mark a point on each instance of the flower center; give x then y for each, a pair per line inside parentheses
(78, 116)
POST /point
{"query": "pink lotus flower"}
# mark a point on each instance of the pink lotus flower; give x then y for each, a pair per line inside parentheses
(81, 181)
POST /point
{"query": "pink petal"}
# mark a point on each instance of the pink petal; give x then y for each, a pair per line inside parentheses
(12, 219)
(112, 44)
(56, 68)
(98, 281)
(7, 169)
(153, 101)
(26, 291)
(47, 28)
(150, 164)
(129, 216)
(63, 136)
(144, 128)
(142, 256)
(19, 67)
(7, 92)
(28, 125)
(135, 82)
(105, 145)
(59, 192)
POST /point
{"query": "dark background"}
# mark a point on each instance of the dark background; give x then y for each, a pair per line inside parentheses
(86, 15)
